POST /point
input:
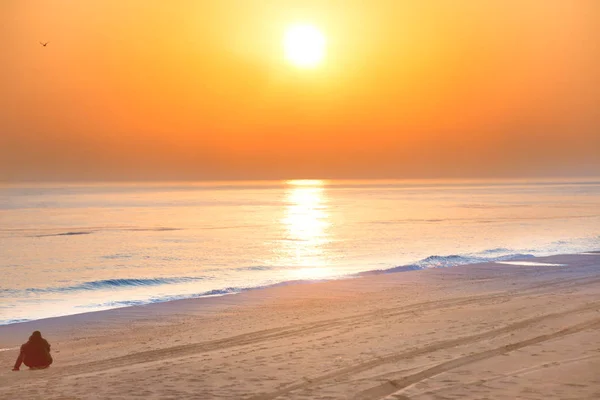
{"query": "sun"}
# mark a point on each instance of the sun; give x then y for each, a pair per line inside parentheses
(304, 46)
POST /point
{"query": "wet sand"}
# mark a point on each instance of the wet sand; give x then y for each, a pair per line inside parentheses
(491, 330)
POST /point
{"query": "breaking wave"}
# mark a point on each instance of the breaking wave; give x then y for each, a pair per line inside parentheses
(112, 284)
(451, 261)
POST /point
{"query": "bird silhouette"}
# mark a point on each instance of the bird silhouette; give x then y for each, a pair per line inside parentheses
(44, 44)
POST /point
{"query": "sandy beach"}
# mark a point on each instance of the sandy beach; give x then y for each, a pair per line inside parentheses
(483, 331)
(300, 200)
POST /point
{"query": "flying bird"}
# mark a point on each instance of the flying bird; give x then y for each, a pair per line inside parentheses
(44, 44)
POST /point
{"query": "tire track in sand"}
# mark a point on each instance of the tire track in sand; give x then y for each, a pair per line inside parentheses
(258, 337)
(441, 345)
(516, 373)
(396, 386)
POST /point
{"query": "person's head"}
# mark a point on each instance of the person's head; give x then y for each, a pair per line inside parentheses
(36, 335)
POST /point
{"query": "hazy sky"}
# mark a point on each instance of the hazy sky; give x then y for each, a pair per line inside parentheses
(184, 89)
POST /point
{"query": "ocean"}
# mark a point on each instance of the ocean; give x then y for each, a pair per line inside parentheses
(75, 248)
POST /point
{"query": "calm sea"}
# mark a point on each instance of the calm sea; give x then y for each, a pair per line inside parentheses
(67, 249)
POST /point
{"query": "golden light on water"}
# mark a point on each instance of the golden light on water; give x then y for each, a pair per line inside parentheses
(312, 273)
(307, 222)
(306, 217)
(306, 182)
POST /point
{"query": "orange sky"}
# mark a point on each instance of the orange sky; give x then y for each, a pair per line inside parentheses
(183, 89)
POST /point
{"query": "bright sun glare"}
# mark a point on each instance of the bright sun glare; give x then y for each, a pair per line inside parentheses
(304, 45)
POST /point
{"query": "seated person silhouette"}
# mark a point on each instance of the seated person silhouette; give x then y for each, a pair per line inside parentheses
(35, 353)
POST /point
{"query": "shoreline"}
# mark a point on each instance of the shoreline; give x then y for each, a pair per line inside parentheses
(431, 262)
(473, 331)
(522, 260)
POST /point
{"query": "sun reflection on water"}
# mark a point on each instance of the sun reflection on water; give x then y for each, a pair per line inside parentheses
(307, 223)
